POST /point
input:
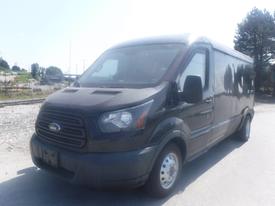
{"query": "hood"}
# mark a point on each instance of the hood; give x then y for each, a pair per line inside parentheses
(102, 99)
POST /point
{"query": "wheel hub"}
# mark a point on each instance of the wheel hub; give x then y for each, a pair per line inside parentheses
(169, 170)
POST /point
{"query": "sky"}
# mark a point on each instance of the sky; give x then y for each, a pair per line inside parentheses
(71, 34)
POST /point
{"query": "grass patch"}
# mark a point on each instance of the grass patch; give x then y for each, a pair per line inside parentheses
(23, 78)
(2, 69)
(23, 95)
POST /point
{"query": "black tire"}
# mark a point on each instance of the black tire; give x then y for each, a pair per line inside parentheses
(244, 133)
(154, 185)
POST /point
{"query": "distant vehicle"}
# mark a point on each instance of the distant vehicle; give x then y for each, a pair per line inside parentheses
(71, 77)
(52, 75)
(142, 110)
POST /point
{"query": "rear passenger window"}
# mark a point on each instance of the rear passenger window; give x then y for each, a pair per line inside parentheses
(196, 67)
(232, 75)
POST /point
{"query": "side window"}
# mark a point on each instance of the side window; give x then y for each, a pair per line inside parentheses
(196, 67)
(224, 72)
(108, 68)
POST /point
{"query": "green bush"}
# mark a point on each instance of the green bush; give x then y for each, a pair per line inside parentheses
(23, 77)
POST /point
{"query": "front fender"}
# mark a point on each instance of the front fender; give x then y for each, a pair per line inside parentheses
(169, 130)
(168, 126)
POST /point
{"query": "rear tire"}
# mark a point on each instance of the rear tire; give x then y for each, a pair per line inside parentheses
(166, 172)
(244, 133)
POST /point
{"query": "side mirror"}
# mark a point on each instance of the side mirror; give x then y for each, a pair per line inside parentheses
(192, 89)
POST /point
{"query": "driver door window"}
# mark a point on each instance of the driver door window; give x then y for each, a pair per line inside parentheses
(196, 67)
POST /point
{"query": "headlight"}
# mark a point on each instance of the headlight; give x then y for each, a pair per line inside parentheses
(124, 120)
(120, 119)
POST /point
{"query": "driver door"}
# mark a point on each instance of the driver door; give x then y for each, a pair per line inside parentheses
(198, 116)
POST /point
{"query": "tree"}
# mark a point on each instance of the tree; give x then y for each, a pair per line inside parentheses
(52, 75)
(15, 68)
(52, 70)
(255, 37)
(4, 64)
(42, 72)
(24, 70)
(35, 70)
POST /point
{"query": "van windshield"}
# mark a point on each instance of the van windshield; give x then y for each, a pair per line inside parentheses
(137, 66)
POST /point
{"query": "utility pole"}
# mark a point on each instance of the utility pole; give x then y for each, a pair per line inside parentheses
(70, 57)
(5, 84)
(84, 66)
(76, 68)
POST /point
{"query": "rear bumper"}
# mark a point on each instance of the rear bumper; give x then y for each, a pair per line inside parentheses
(121, 169)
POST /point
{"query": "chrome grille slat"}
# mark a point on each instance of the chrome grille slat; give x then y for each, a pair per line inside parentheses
(61, 135)
(65, 131)
(53, 116)
(58, 120)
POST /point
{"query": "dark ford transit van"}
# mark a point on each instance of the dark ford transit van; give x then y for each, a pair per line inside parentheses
(142, 110)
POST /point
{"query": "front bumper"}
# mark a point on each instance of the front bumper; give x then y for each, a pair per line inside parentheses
(120, 169)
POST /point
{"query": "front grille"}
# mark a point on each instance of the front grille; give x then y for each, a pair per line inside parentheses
(71, 134)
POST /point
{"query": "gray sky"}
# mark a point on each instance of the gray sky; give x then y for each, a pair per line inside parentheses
(42, 31)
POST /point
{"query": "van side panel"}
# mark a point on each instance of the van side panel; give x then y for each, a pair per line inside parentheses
(233, 94)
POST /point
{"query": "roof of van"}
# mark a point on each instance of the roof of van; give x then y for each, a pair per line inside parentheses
(188, 40)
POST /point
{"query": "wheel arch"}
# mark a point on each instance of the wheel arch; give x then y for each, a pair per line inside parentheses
(177, 137)
(246, 112)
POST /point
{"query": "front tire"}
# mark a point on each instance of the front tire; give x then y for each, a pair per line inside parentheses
(166, 172)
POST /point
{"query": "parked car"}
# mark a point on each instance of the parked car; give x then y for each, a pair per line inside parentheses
(142, 110)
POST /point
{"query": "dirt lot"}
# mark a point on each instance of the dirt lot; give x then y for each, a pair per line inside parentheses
(229, 174)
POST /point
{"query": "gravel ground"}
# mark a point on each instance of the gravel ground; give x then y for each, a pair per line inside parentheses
(229, 174)
(17, 126)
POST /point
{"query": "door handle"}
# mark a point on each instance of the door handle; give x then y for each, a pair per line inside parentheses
(209, 100)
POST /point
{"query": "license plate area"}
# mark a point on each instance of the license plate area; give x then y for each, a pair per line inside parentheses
(49, 157)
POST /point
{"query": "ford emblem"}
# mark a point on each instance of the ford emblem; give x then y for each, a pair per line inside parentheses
(54, 127)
